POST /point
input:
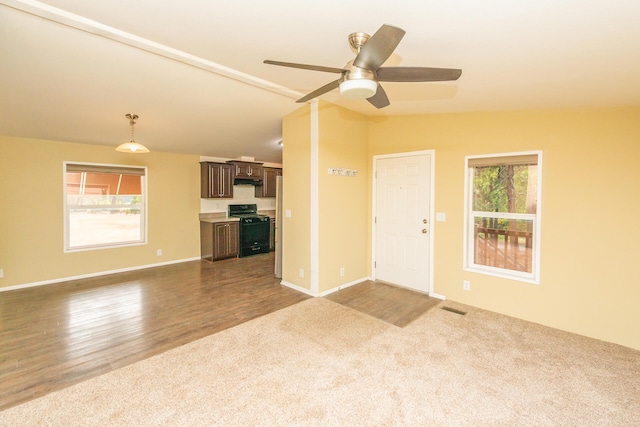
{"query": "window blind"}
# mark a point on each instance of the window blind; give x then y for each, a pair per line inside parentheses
(118, 170)
(525, 159)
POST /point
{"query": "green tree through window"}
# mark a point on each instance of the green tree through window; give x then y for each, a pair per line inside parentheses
(503, 198)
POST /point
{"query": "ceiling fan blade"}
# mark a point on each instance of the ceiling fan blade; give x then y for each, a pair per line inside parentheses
(380, 99)
(379, 47)
(305, 66)
(417, 74)
(324, 89)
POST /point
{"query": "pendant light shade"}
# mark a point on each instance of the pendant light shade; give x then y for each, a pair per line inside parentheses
(132, 146)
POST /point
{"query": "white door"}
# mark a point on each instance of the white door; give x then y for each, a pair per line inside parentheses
(402, 220)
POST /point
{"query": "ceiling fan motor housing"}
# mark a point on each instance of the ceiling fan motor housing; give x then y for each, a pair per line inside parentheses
(357, 40)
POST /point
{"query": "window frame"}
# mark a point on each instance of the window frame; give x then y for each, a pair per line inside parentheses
(66, 208)
(469, 216)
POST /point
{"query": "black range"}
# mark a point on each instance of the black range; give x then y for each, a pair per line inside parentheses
(254, 229)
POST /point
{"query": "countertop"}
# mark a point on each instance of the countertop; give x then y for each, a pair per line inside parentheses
(268, 212)
(214, 217)
(217, 217)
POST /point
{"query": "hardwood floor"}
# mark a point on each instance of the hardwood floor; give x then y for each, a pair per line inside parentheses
(392, 304)
(57, 335)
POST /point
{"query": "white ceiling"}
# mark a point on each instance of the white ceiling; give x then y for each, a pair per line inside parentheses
(192, 70)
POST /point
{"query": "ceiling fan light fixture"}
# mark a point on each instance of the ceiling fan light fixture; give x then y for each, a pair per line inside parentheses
(358, 89)
(132, 146)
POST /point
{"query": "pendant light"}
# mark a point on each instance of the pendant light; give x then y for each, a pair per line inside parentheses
(132, 146)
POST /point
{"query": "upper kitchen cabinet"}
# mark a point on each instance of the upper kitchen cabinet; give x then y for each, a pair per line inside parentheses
(216, 180)
(246, 170)
(268, 187)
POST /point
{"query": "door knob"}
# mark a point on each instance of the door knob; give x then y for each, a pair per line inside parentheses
(424, 221)
(424, 231)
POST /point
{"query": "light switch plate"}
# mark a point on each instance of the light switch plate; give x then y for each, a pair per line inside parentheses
(441, 216)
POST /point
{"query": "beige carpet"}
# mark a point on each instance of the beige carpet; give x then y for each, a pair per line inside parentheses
(320, 363)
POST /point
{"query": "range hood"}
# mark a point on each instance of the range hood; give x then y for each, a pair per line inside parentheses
(247, 181)
(246, 171)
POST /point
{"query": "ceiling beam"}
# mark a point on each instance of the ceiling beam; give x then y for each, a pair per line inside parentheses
(81, 23)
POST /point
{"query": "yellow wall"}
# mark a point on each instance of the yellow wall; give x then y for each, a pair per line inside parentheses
(343, 228)
(590, 204)
(31, 217)
(296, 161)
(589, 208)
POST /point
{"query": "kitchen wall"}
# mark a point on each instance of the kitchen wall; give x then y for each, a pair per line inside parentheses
(241, 193)
(31, 217)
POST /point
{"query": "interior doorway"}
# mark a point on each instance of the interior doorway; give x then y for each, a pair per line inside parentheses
(402, 219)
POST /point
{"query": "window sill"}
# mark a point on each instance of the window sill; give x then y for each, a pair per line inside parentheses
(504, 274)
(106, 246)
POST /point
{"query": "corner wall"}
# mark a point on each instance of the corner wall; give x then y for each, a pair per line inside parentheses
(342, 199)
(589, 206)
(296, 187)
(336, 239)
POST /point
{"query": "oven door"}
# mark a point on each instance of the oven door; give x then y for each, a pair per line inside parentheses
(254, 238)
(255, 233)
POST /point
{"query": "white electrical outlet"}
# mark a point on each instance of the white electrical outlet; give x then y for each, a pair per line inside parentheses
(287, 213)
(466, 285)
(302, 272)
(159, 252)
(342, 272)
(1, 273)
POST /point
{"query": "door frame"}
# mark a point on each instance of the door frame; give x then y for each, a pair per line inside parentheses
(432, 167)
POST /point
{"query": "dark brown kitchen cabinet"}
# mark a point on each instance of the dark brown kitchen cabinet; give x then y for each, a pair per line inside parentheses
(268, 187)
(216, 180)
(219, 240)
(225, 240)
(246, 170)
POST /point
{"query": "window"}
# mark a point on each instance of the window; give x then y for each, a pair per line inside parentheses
(105, 206)
(502, 215)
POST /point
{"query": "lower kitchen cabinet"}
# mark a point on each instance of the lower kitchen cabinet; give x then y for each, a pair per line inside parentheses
(219, 240)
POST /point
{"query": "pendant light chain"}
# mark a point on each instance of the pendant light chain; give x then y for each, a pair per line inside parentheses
(132, 122)
(132, 146)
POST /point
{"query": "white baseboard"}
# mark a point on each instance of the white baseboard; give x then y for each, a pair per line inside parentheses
(344, 286)
(298, 288)
(100, 273)
(438, 296)
(324, 293)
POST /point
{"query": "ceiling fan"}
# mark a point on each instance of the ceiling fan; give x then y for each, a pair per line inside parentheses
(360, 78)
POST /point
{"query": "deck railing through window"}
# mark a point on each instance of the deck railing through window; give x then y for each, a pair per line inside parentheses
(503, 248)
